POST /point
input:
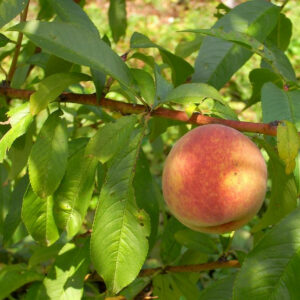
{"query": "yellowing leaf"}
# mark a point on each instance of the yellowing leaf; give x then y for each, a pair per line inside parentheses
(288, 143)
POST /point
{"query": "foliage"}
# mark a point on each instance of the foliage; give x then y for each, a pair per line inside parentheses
(81, 209)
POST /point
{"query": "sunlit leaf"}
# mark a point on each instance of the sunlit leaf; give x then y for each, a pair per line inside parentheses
(119, 225)
(48, 157)
(288, 144)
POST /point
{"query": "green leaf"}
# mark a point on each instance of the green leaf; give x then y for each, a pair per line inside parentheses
(48, 157)
(218, 59)
(282, 33)
(280, 105)
(220, 289)
(56, 64)
(10, 9)
(16, 131)
(283, 197)
(99, 79)
(297, 173)
(38, 217)
(71, 200)
(117, 18)
(258, 77)
(74, 43)
(22, 71)
(288, 144)
(4, 40)
(181, 69)
(135, 288)
(186, 48)
(51, 87)
(13, 217)
(222, 110)
(145, 83)
(272, 269)
(175, 286)
(146, 194)
(119, 243)
(5, 194)
(192, 93)
(162, 86)
(196, 241)
(170, 249)
(42, 254)
(70, 12)
(272, 56)
(65, 279)
(14, 276)
(280, 63)
(111, 138)
(36, 291)
(19, 152)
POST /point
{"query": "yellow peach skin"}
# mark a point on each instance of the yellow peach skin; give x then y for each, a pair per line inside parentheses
(214, 179)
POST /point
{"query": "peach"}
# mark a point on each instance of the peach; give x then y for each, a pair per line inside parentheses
(214, 179)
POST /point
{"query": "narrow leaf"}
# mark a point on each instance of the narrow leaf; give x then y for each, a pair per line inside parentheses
(175, 286)
(288, 143)
(42, 254)
(283, 197)
(74, 43)
(146, 85)
(16, 131)
(51, 87)
(65, 279)
(38, 217)
(13, 217)
(181, 69)
(218, 59)
(170, 249)
(13, 277)
(297, 173)
(111, 138)
(117, 18)
(196, 241)
(280, 105)
(119, 242)
(147, 195)
(272, 269)
(282, 33)
(258, 77)
(221, 289)
(4, 40)
(19, 152)
(70, 12)
(48, 157)
(71, 200)
(272, 56)
(192, 93)
(10, 9)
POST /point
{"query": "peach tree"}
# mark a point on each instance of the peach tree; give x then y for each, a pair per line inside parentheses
(85, 131)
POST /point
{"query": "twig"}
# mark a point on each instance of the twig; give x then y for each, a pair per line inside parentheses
(284, 4)
(128, 108)
(178, 269)
(13, 65)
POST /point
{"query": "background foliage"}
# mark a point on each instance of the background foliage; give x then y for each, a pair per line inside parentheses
(81, 209)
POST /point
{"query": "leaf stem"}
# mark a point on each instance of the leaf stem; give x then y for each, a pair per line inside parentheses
(13, 65)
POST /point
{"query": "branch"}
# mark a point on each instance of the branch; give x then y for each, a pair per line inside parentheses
(178, 269)
(128, 108)
(13, 65)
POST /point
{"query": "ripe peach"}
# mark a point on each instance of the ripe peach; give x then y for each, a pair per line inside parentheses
(214, 179)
